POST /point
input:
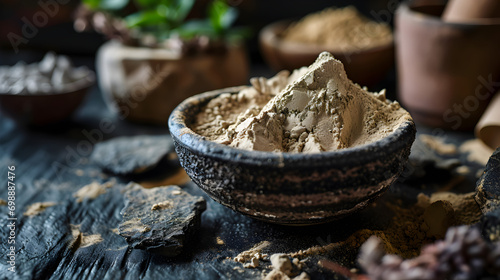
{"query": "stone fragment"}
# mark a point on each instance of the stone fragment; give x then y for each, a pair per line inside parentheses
(131, 155)
(162, 230)
(488, 185)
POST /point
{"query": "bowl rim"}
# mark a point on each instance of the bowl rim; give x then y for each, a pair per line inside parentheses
(183, 135)
(79, 85)
(271, 35)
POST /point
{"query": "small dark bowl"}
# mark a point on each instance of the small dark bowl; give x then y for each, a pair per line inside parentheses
(44, 109)
(363, 66)
(288, 188)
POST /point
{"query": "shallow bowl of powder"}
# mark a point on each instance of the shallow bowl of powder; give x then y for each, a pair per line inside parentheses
(365, 47)
(288, 163)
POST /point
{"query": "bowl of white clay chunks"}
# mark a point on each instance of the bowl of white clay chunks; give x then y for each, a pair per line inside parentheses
(45, 92)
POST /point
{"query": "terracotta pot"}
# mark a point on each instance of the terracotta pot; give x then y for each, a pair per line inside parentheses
(145, 85)
(366, 67)
(465, 10)
(448, 72)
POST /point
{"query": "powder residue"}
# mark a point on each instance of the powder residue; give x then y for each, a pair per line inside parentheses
(284, 269)
(219, 241)
(343, 29)
(477, 151)
(407, 232)
(92, 190)
(82, 240)
(37, 208)
(314, 109)
(79, 172)
(467, 211)
(162, 205)
(438, 145)
(251, 257)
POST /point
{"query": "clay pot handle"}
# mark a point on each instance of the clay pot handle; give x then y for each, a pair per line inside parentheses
(469, 11)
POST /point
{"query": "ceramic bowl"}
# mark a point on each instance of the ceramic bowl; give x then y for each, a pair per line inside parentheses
(366, 66)
(44, 109)
(288, 188)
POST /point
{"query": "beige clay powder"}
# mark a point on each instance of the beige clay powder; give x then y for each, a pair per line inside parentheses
(312, 110)
(343, 29)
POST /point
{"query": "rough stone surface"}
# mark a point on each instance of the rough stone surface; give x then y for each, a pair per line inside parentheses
(490, 225)
(488, 186)
(131, 155)
(160, 220)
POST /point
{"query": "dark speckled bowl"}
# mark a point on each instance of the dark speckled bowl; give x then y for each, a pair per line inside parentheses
(288, 188)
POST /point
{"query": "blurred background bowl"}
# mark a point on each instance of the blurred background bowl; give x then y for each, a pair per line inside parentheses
(288, 188)
(44, 109)
(363, 66)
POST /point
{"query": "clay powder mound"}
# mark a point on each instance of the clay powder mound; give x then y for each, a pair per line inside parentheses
(314, 109)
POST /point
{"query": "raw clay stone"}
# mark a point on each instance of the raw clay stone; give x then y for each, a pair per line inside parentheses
(160, 220)
(131, 155)
(488, 186)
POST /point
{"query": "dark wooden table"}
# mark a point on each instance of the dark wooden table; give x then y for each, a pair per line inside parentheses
(52, 164)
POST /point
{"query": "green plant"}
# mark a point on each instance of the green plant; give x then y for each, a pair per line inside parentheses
(167, 18)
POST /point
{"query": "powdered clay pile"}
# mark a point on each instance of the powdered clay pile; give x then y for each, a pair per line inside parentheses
(314, 109)
(344, 29)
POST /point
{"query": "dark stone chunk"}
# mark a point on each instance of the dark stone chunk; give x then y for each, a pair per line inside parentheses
(131, 155)
(490, 225)
(160, 220)
(488, 185)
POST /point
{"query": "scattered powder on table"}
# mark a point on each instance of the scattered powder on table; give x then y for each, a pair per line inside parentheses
(92, 190)
(82, 240)
(37, 208)
(477, 150)
(343, 29)
(79, 172)
(462, 170)
(438, 145)
(314, 109)
(407, 232)
(285, 269)
(219, 241)
(467, 211)
(251, 258)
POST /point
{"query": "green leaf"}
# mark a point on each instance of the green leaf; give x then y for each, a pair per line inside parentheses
(113, 5)
(144, 19)
(229, 17)
(194, 28)
(92, 4)
(221, 15)
(184, 7)
(175, 10)
(147, 4)
(239, 33)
